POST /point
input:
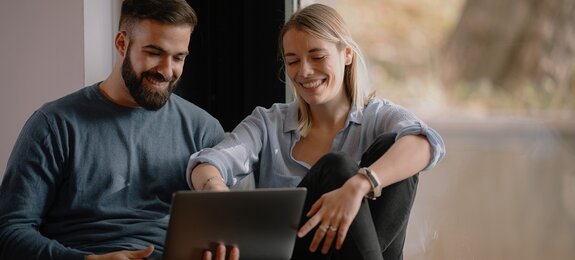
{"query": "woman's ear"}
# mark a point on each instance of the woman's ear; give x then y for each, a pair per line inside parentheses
(121, 43)
(348, 55)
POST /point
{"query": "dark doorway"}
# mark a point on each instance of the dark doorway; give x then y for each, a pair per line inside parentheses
(233, 64)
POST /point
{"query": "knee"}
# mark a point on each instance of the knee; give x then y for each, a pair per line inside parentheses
(337, 165)
(385, 140)
(380, 146)
(330, 172)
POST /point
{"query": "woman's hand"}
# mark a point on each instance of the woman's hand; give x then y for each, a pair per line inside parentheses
(334, 212)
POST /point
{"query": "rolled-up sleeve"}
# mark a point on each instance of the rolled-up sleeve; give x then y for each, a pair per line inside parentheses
(237, 154)
(394, 118)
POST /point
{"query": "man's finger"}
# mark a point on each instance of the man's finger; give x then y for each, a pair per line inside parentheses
(207, 255)
(234, 253)
(142, 253)
(221, 252)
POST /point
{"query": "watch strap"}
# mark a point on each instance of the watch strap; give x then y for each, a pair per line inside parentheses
(373, 181)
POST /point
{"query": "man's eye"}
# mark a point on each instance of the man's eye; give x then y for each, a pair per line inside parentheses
(318, 58)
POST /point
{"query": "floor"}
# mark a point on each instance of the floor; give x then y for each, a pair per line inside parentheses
(505, 190)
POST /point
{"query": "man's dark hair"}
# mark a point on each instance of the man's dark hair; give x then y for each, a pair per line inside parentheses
(176, 12)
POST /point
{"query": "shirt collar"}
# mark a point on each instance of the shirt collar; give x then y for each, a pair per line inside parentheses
(290, 123)
(355, 115)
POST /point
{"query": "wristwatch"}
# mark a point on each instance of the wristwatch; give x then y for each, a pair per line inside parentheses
(374, 181)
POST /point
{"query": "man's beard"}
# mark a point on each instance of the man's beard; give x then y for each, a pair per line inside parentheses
(147, 98)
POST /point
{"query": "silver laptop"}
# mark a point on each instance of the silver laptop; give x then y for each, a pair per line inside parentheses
(262, 223)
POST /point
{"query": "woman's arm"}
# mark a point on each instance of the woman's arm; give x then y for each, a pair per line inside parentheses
(234, 157)
(406, 157)
(207, 177)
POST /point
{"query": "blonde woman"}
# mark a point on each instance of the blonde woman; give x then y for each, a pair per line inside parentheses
(336, 140)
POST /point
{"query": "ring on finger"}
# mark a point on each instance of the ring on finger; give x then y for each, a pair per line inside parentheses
(333, 228)
(324, 228)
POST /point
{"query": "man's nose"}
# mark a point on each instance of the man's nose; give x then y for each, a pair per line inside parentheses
(166, 68)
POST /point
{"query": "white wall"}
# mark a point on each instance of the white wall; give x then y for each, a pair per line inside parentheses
(100, 25)
(41, 59)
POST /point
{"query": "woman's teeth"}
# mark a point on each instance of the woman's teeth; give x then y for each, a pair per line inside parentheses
(313, 84)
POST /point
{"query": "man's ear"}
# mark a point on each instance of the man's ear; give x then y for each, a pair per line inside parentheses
(121, 43)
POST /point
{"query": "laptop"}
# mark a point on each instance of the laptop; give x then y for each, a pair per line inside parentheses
(262, 223)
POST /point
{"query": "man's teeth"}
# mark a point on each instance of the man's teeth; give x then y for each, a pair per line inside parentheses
(154, 81)
(313, 84)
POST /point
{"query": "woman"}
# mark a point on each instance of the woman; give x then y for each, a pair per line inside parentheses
(318, 140)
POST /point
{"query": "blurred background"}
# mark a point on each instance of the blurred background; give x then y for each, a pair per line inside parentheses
(497, 80)
(495, 77)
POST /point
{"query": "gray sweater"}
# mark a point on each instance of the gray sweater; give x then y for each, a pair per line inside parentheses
(89, 176)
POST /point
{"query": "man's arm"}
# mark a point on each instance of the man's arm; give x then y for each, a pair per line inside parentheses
(28, 187)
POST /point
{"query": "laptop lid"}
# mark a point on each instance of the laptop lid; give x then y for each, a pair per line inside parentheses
(262, 223)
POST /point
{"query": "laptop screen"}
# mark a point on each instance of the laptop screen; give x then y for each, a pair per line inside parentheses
(262, 223)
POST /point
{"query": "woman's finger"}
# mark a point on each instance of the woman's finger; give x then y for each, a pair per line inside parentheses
(315, 207)
(310, 224)
(341, 234)
(329, 236)
(318, 237)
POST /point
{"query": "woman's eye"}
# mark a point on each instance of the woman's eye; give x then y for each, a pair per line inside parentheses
(292, 62)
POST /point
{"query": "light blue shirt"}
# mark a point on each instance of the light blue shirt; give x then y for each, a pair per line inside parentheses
(265, 141)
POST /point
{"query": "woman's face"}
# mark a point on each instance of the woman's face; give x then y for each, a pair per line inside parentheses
(315, 67)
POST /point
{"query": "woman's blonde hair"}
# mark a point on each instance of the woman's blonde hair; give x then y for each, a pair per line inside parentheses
(325, 23)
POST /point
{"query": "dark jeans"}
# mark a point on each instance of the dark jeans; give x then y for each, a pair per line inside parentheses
(378, 231)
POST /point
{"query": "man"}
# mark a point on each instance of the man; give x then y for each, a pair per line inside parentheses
(92, 174)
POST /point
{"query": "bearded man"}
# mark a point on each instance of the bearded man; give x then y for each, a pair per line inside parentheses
(92, 173)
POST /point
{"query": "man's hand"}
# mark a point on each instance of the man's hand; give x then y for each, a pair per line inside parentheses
(124, 254)
(221, 253)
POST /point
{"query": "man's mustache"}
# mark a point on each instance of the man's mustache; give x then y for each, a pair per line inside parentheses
(156, 76)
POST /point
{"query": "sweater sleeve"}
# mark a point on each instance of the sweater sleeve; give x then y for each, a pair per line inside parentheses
(31, 180)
